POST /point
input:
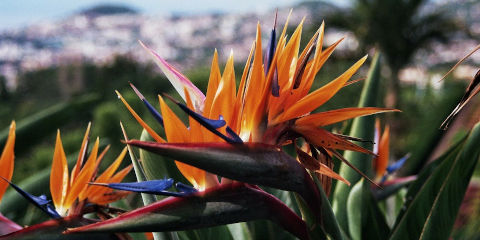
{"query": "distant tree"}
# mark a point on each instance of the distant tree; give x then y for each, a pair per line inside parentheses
(398, 28)
(4, 95)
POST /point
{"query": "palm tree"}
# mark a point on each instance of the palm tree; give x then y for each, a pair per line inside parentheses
(398, 28)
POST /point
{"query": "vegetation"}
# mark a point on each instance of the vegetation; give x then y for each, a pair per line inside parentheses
(337, 184)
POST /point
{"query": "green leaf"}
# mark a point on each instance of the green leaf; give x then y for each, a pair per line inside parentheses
(415, 187)
(362, 127)
(432, 212)
(32, 129)
(239, 231)
(329, 221)
(365, 220)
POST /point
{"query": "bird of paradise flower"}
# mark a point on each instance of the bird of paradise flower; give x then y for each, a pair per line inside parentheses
(71, 193)
(272, 105)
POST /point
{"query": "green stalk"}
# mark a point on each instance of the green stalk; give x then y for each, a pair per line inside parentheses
(362, 127)
(140, 174)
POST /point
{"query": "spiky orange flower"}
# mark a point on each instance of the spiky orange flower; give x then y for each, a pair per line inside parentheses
(66, 191)
(6, 160)
(272, 105)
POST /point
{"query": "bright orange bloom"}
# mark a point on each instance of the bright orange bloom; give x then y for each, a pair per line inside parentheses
(382, 150)
(7, 159)
(272, 105)
(66, 191)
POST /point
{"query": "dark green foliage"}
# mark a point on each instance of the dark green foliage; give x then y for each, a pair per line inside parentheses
(432, 212)
(363, 128)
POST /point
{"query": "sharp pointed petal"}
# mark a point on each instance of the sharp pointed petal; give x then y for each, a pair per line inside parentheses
(40, 202)
(149, 106)
(7, 158)
(178, 81)
(157, 187)
(7, 226)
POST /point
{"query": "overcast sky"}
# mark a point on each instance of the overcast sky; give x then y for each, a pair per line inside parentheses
(15, 13)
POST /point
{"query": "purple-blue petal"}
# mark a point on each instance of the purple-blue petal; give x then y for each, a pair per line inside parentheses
(275, 85)
(271, 47)
(157, 187)
(184, 188)
(154, 112)
(40, 202)
(153, 185)
(209, 124)
(151, 109)
(397, 165)
(233, 135)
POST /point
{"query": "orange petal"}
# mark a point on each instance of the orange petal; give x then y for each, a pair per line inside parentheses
(59, 181)
(319, 96)
(105, 195)
(81, 155)
(198, 134)
(195, 131)
(119, 176)
(240, 101)
(109, 197)
(213, 82)
(100, 158)
(225, 96)
(313, 164)
(381, 162)
(338, 115)
(319, 59)
(254, 90)
(106, 175)
(85, 176)
(288, 58)
(7, 158)
(140, 121)
(323, 138)
(176, 131)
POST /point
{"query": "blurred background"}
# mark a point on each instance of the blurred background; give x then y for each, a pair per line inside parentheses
(60, 62)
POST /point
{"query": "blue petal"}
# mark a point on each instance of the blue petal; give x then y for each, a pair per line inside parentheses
(40, 202)
(156, 187)
(271, 47)
(154, 112)
(151, 109)
(233, 135)
(275, 85)
(153, 185)
(398, 164)
(206, 122)
(185, 188)
(209, 124)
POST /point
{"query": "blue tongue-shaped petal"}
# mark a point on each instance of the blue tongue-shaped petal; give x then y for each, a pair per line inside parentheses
(210, 124)
(40, 202)
(185, 188)
(398, 164)
(269, 57)
(394, 167)
(157, 187)
(150, 108)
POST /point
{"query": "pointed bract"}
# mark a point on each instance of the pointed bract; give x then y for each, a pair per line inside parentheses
(7, 158)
